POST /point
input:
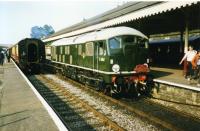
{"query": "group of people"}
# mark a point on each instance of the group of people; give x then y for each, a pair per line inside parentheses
(193, 64)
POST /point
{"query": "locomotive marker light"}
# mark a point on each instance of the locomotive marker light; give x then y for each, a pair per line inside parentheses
(116, 68)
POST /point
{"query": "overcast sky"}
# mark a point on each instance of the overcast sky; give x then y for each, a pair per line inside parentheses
(17, 17)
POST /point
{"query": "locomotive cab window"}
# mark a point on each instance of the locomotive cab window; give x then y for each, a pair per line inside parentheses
(142, 43)
(129, 39)
(115, 43)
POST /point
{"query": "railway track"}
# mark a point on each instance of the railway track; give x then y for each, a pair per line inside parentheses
(73, 111)
(161, 117)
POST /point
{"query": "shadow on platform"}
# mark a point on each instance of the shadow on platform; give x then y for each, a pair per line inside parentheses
(158, 74)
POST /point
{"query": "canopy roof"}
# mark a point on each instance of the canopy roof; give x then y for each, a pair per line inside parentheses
(102, 34)
(122, 14)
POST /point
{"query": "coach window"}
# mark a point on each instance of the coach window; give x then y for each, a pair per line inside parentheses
(89, 49)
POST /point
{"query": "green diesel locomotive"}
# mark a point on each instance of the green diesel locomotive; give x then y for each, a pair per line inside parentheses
(112, 59)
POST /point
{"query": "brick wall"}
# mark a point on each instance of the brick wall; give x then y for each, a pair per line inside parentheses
(176, 94)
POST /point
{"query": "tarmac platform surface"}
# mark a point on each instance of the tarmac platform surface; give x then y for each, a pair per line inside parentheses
(172, 75)
(20, 109)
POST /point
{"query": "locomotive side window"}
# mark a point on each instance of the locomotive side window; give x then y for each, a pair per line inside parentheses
(67, 51)
(79, 49)
(89, 49)
(61, 50)
(102, 48)
(54, 53)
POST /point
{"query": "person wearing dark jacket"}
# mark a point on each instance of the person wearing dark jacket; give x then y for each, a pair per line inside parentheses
(8, 56)
(1, 58)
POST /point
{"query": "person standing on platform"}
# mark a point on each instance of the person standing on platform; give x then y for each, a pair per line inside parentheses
(196, 66)
(189, 56)
(8, 56)
(2, 57)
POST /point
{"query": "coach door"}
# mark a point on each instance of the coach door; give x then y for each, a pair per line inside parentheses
(32, 52)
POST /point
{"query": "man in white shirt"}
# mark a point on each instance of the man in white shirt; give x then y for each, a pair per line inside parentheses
(189, 56)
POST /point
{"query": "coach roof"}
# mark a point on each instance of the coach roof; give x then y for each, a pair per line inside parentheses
(102, 34)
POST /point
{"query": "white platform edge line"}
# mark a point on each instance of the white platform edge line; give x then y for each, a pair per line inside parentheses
(51, 112)
(177, 85)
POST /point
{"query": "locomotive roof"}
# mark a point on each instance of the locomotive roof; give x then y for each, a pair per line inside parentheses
(102, 34)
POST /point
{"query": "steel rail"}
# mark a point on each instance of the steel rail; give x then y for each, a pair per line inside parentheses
(112, 125)
(57, 113)
(142, 114)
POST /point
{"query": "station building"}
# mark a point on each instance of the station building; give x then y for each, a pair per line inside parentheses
(170, 26)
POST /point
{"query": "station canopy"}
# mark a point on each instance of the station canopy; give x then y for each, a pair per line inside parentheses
(148, 17)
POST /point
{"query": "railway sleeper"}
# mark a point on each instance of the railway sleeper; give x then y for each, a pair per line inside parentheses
(72, 112)
(76, 117)
(85, 124)
(55, 103)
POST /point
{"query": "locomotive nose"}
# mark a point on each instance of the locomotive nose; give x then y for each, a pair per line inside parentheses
(128, 49)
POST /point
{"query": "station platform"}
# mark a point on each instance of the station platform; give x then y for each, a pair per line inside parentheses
(172, 75)
(20, 109)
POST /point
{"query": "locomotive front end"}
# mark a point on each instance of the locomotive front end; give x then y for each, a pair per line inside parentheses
(129, 62)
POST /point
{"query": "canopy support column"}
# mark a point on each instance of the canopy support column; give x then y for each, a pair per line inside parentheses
(186, 37)
(186, 43)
